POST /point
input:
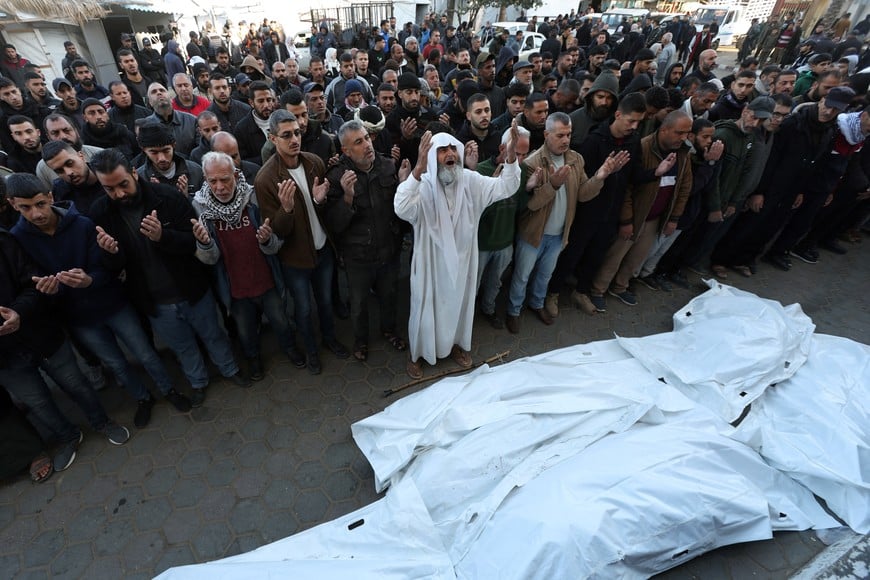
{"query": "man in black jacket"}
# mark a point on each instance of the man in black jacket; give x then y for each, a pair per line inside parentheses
(30, 341)
(100, 131)
(124, 110)
(229, 111)
(361, 220)
(27, 152)
(251, 130)
(146, 229)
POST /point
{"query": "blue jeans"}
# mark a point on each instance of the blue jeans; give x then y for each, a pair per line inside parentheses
(300, 282)
(20, 375)
(246, 313)
(490, 267)
(527, 258)
(102, 340)
(179, 324)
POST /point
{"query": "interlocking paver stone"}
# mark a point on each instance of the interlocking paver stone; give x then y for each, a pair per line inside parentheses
(212, 540)
(246, 515)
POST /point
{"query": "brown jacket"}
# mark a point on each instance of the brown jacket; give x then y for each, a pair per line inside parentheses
(639, 198)
(294, 228)
(579, 188)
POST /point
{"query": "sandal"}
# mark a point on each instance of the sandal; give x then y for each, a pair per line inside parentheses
(744, 271)
(719, 271)
(41, 469)
(395, 341)
(461, 357)
(361, 352)
(414, 369)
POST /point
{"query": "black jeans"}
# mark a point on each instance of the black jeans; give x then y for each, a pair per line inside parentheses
(361, 279)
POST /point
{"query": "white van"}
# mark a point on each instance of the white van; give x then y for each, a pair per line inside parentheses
(613, 18)
(729, 17)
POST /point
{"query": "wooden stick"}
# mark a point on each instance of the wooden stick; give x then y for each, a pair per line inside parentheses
(498, 357)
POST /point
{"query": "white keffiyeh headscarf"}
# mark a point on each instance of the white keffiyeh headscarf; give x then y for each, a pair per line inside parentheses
(228, 212)
(850, 126)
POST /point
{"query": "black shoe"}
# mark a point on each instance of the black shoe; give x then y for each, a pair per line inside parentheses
(834, 246)
(493, 319)
(662, 281)
(780, 261)
(255, 368)
(239, 380)
(296, 357)
(650, 282)
(179, 401)
(197, 398)
(143, 412)
(808, 255)
(679, 278)
(313, 363)
(336, 348)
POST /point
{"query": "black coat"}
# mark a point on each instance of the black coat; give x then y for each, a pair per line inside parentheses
(251, 139)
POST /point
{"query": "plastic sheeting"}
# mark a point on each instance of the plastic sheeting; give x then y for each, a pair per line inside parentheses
(594, 461)
(727, 347)
(816, 427)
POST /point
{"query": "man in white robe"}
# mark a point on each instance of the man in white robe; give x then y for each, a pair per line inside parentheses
(444, 205)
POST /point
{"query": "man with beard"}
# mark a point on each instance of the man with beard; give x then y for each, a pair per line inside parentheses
(453, 113)
(820, 87)
(60, 128)
(200, 76)
(133, 79)
(232, 237)
(146, 230)
(361, 62)
(534, 119)
(463, 62)
(486, 82)
(315, 101)
(599, 105)
(515, 96)
(37, 91)
(70, 105)
(223, 67)
(123, 110)
(476, 128)
(185, 101)
(386, 98)
(413, 57)
(353, 99)
(596, 221)
(151, 62)
(293, 76)
(409, 120)
(12, 65)
(13, 103)
(280, 84)
(163, 164)
(317, 71)
(314, 139)
(207, 125)
(100, 131)
(223, 142)
(731, 104)
(706, 64)
(335, 91)
(229, 111)
(292, 191)
(70, 57)
(251, 131)
(27, 152)
(360, 218)
(564, 98)
(437, 193)
(86, 87)
(74, 181)
(181, 125)
(649, 208)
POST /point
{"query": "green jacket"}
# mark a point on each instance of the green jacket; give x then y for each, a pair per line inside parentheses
(803, 83)
(498, 224)
(735, 166)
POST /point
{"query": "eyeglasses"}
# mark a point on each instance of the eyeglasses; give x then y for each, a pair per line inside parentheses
(289, 135)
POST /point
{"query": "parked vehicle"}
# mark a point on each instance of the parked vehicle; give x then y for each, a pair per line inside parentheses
(613, 18)
(731, 20)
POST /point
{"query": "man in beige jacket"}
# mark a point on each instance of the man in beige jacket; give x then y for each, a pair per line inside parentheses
(544, 224)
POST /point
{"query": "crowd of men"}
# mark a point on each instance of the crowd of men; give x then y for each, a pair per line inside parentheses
(188, 210)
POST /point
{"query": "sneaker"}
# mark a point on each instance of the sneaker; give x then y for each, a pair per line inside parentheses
(239, 380)
(337, 348)
(650, 282)
(807, 255)
(296, 357)
(313, 363)
(625, 297)
(179, 401)
(834, 246)
(780, 261)
(583, 303)
(598, 302)
(551, 305)
(143, 412)
(255, 368)
(680, 279)
(116, 434)
(197, 398)
(493, 319)
(512, 323)
(95, 377)
(67, 454)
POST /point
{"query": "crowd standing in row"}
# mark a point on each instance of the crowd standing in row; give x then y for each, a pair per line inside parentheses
(184, 211)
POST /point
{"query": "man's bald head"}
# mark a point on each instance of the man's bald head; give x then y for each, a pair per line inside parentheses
(223, 142)
(707, 60)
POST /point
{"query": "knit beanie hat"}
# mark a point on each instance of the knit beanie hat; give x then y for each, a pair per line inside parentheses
(352, 86)
(155, 135)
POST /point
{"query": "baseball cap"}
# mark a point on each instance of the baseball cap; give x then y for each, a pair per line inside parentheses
(483, 57)
(56, 83)
(762, 107)
(242, 79)
(839, 98)
(312, 86)
(146, 41)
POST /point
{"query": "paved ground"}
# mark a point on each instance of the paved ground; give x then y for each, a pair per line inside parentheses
(253, 466)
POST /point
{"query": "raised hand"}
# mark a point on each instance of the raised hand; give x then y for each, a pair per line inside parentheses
(181, 184)
(200, 232)
(558, 177)
(666, 164)
(396, 153)
(408, 127)
(11, 321)
(444, 118)
(714, 151)
(348, 182)
(472, 155)
(755, 202)
(106, 242)
(510, 149)
(333, 160)
(318, 194)
(535, 179)
(74, 278)
(614, 162)
(404, 170)
(287, 195)
(423, 156)
(151, 227)
(46, 284)
(264, 232)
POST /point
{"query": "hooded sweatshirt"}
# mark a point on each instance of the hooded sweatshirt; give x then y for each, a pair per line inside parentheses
(582, 120)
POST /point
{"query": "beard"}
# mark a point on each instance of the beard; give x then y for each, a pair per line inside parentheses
(448, 175)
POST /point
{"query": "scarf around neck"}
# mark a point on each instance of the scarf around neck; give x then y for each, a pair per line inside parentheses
(228, 212)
